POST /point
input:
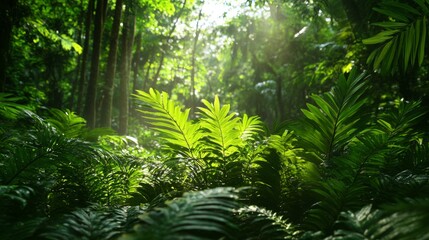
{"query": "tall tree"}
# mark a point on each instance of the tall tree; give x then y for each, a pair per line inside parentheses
(193, 64)
(90, 107)
(82, 71)
(8, 16)
(128, 32)
(107, 97)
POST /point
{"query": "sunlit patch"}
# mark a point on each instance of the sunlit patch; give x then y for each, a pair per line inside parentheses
(217, 12)
(302, 31)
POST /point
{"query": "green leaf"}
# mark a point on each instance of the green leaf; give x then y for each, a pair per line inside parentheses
(401, 16)
(390, 24)
(380, 37)
(333, 122)
(221, 126)
(168, 118)
(382, 54)
(423, 34)
(195, 215)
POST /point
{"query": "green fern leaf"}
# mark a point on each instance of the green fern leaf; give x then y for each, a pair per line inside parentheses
(9, 106)
(220, 126)
(334, 118)
(168, 118)
(249, 127)
(67, 122)
(347, 186)
(206, 214)
(402, 41)
(264, 224)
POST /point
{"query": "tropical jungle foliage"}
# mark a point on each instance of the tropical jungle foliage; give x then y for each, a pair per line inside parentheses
(279, 119)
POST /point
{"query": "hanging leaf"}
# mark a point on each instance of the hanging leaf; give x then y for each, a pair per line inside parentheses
(402, 41)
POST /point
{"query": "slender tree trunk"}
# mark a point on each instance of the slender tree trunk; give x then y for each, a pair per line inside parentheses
(158, 70)
(79, 59)
(107, 98)
(146, 83)
(82, 77)
(136, 64)
(137, 61)
(91, 94)
(356, 12)
(75, 82)
(7, 10)
(127, 42)
(193, 64)
(279, 98)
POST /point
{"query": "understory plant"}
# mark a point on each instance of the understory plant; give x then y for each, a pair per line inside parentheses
(342, 171)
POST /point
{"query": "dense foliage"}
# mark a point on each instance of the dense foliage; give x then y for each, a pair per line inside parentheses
(281, 119)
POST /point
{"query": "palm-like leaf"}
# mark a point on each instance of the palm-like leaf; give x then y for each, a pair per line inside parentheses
(168, 118)
(259, 223)
(400, 120)
(92, 223)
(349, 181)
(249, 127)
(334, 119)
(221, 126)
(357, 225)
(206, 214)
(38, 151)
(9, 106)
(67, 122)
(403, 220)
(403, 40)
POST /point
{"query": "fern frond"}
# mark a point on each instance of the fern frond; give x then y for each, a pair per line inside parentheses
(40, 150)
(249, 127)
(168, 118)
(67, 122)
(387, 189)
(348, 186)
(357, 225)
(334, 119)
(93, 223)
(402, 220)
(9, 106)
(407, 220)
(403, 39)
(284, 144)
(206, 214)
(259, 223)
(400, 120)
(221, 127)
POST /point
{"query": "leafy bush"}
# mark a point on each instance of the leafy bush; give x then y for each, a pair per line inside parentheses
(340, 172)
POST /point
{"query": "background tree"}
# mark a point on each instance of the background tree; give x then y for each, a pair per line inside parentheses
(107, 96)
(91, 94)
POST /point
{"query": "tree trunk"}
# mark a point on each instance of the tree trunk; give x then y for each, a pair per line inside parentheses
(91, 94)
(146, 82)
(158, 70)
(279, 98)
(7, 10)
(107, 98)
(357, 15)
(82, 76)
(194, 52)
(75, 80)
(127, 42)
(137, 61)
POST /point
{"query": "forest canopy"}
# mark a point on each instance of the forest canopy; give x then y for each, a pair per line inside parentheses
(214, 119)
